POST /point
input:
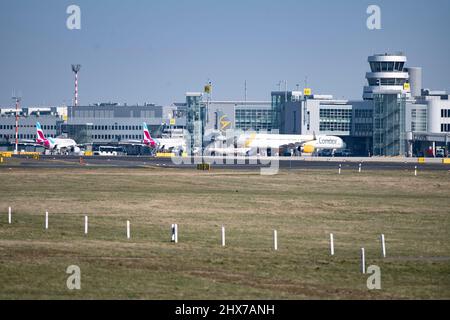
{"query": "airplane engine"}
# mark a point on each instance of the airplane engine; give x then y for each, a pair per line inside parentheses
(308, 148)
(76, 150)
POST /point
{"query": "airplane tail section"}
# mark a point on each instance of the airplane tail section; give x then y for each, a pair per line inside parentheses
(148, 140)
(40, 137)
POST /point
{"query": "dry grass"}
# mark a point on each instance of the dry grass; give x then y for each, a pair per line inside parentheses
(304, 206)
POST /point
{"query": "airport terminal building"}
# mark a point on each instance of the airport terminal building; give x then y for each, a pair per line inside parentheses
(51, 119)
(395, 117)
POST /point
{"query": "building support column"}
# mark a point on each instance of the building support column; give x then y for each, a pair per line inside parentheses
(410, 148)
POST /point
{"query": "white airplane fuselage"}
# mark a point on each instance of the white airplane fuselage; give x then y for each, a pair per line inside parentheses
(60, 143)
(276, 141)
(170, 143)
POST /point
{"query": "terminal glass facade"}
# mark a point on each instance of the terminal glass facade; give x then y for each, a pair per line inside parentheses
(386, 66)
(253, 119)
(363, 123)
(279, 101)
(112, 123)
(335, 119)
(389, 136)
(418, 120)
(195, 122)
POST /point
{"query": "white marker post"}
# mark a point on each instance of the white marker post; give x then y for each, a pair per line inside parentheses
(360, 168)
(9, 215)
(332, 244)
(363, 261)
(383, 246)
(275, 240)
(223, 236)
(340, 168)
(176, 233)
(46, 220)
(86, 225)
(128, 230)
(415, 171)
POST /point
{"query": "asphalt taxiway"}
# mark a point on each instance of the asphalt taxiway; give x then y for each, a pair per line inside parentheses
(225, 163)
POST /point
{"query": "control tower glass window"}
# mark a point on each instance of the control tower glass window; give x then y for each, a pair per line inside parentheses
(375, 66)
(390, 66)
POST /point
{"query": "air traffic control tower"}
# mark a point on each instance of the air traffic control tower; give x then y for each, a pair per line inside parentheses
(388, 75)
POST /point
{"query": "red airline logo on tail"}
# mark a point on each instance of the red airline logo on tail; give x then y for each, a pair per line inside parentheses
(148, 140)
(41, 137)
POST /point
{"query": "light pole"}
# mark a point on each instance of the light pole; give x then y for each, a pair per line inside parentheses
(285, 91)
(17, 100)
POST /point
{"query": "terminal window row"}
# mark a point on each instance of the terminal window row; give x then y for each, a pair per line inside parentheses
(13, 126)
(418, 126)
(337, 126)
(445, 113)
(102, 114)
(23, 136)
(253, 127)
(445, 127)
(386, 66)
(282, 97)
(117, 137)
(364, 114)
(253, 113)
(419, 114)
(387, 82)
(117, 127)
(335, 114)
(364, 127)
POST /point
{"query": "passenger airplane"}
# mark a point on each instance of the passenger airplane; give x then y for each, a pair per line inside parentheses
(163, 144)
(58, 144)
(305, 143)
(254, 143)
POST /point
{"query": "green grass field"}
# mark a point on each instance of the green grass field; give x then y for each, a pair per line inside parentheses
(304, 206)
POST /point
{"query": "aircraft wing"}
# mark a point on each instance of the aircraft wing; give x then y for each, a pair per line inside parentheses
(296, 144)
(264, 144)
(80, 145)
(28, 143)
(132, 143)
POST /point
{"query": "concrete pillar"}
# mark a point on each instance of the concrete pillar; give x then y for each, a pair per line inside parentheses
(434, 116)
(415, 80)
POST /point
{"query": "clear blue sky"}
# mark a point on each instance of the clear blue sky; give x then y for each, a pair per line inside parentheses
(138, 51)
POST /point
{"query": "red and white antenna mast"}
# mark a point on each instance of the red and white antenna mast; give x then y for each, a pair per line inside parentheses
(76, 68)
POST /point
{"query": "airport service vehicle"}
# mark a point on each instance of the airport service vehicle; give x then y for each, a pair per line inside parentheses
(325, 153)
(59, 145)
(440, 153)
(304, 143)
(343, 153)
(109, 151)
(160, 145)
